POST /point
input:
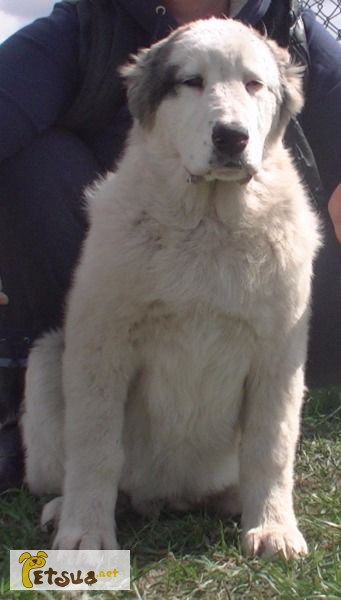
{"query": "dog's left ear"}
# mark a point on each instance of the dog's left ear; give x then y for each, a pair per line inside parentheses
(24, 556)
(292, 84)
(148, 79)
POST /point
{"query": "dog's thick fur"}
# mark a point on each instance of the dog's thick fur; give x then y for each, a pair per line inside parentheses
(179, 378)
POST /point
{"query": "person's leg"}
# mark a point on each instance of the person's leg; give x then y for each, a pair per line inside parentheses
(324, 357)
(42, 225)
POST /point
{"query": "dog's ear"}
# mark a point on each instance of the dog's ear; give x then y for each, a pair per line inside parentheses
(42, 553)
(291, 74)
(24, 556)
(149, 79)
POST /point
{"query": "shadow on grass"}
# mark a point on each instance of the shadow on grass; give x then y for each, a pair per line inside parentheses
(151, 541)
(193, 533)
(322, 413)
(148, 539)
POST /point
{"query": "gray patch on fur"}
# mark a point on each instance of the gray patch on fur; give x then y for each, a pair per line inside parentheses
(151, 79)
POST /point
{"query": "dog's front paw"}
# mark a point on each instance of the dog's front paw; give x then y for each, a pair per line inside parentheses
(74, 538)
(75, 535)
(274, 539)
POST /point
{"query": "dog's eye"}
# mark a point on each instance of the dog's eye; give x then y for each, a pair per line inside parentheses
(196, 82)
(253, 86)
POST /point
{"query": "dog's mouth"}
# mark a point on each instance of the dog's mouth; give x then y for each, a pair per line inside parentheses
(232, 164)
(224, 168)
(229, 168)
(232, 170)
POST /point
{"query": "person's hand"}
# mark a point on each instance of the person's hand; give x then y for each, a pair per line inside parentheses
(3, 297)
(334, 208)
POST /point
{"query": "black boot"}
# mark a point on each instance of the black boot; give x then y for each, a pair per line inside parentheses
(11, 452)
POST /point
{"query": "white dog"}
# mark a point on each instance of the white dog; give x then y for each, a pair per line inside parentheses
(185, 339)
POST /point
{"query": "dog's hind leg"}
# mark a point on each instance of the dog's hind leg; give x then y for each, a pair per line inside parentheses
(42, 420)
(50, 515)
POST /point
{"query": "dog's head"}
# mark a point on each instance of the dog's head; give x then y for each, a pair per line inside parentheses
(217, 95)
(33, 562)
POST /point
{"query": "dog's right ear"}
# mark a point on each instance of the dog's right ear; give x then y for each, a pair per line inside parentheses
(149, 78)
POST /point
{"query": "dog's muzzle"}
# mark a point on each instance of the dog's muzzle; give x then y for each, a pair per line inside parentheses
(227, 162)
(229, 143)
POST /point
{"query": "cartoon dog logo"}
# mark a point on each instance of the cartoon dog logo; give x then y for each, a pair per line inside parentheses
(31, 562)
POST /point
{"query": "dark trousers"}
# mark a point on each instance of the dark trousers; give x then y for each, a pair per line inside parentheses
(42, 225)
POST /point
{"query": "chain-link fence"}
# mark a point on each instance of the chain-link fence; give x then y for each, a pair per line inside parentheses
(328, 12)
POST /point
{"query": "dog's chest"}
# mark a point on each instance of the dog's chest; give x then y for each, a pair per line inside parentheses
(195, 341)
(233, 271)
(187, 393)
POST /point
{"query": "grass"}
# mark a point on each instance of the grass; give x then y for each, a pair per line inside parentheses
(198, 556)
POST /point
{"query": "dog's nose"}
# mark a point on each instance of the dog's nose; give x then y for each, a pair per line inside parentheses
(229, 140)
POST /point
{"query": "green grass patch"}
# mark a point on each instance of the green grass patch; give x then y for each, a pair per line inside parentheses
(197, 556)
